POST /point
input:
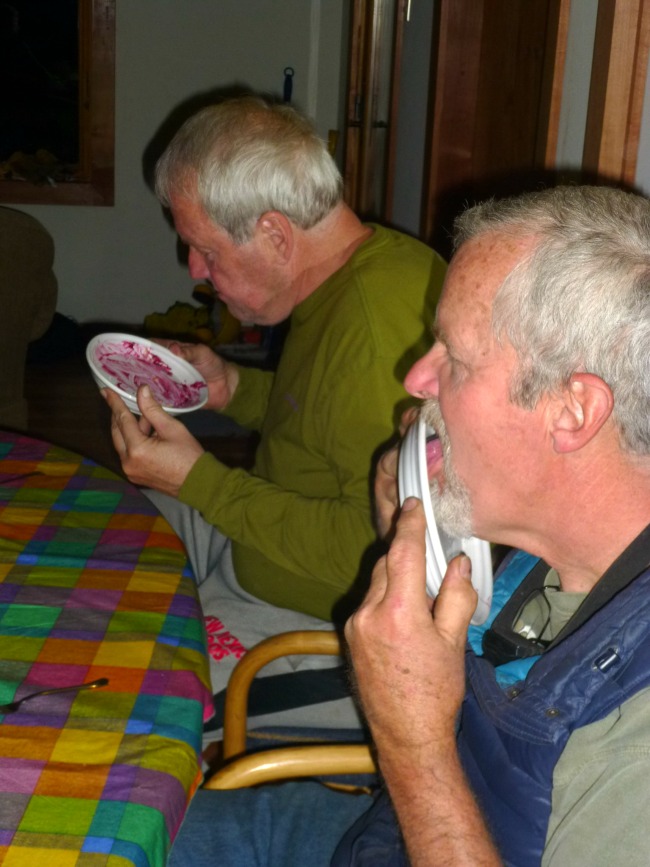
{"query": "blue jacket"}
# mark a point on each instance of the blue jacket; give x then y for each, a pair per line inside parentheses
(512, 733)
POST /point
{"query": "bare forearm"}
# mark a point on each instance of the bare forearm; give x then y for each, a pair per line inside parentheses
(437, 813)
(409, 660)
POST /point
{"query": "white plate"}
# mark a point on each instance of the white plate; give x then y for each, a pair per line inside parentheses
(123, 362)
(413, 481)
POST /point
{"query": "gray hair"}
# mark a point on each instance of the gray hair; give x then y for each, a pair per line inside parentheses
(581, 300)
(247, 156)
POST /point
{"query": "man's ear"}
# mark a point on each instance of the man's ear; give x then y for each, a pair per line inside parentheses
(277, 232)
(583, 408)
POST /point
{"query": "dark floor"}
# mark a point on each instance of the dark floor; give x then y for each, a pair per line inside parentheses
(65, 408)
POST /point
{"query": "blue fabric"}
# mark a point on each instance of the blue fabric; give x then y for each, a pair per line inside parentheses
(374, 840)
(509, 744)
(516, 566)
(512, 571)
(509, 748)
(293, 825)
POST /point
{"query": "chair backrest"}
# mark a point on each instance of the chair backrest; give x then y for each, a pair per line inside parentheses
(320, 753)
(28, 295)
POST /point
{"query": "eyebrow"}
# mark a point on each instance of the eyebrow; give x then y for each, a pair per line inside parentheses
(439, 336)
(438, 333)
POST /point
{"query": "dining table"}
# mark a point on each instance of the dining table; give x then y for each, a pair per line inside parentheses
(94, 585)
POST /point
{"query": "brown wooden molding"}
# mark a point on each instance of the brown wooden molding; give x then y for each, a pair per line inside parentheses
(617, 90)
(93, 182)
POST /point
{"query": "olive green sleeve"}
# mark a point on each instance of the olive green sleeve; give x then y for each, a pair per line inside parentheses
(250, 400)
(333, 532)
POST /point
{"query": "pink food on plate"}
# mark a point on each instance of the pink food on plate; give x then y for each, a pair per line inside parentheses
(130, 365)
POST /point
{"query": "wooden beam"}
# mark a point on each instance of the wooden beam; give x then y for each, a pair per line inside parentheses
(455, 74)
(617, 90)
(553, 83)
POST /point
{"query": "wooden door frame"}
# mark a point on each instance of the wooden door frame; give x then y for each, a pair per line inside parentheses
(455, 93)
(359, 108)
(617, 90)
(94, 179)
(615, 101)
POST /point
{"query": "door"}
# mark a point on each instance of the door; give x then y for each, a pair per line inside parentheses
(496, 82)
(375, 55)
(494, 104)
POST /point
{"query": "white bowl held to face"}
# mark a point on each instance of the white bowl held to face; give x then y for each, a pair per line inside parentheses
(124, 362)
(413, 481)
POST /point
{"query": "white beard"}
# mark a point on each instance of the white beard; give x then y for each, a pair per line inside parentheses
(451, 504)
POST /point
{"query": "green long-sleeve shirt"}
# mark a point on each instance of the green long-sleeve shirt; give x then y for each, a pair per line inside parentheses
(300, 522)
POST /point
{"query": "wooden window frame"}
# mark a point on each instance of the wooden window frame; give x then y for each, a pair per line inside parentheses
(94, 182)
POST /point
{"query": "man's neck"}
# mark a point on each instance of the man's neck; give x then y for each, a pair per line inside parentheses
(583, 534)
(325, 248)
(580, 577)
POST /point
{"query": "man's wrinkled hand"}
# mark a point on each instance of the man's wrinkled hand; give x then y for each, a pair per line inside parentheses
(409, 653)
(221, 376)
(155, 450)
(386, 491)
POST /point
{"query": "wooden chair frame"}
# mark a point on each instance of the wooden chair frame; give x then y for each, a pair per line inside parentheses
(241, 769)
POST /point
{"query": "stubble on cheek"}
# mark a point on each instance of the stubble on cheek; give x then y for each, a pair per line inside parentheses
(449, 495)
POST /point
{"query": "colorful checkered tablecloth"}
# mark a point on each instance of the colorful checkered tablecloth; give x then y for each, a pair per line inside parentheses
(94, 584)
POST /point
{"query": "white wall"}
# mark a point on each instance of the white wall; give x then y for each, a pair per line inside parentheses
(120, 263)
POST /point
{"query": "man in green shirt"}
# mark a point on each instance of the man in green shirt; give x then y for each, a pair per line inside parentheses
(257, 199)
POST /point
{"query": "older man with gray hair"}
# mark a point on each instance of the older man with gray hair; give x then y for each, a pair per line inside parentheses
(257, 199)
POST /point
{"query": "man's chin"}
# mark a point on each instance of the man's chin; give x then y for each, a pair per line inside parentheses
(452, 511)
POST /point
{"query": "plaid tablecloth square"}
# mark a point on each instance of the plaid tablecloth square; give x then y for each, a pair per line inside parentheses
(93, 583)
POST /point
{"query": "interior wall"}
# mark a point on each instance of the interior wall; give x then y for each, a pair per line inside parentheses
(120, 263)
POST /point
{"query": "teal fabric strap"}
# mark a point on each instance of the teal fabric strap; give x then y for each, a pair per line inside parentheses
(518, 567)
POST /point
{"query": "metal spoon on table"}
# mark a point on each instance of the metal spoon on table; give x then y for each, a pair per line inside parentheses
(14, 705)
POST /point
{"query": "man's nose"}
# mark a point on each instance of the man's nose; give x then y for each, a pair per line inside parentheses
(422, 379)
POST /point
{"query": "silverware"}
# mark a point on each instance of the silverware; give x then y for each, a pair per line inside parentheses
(14, 705)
